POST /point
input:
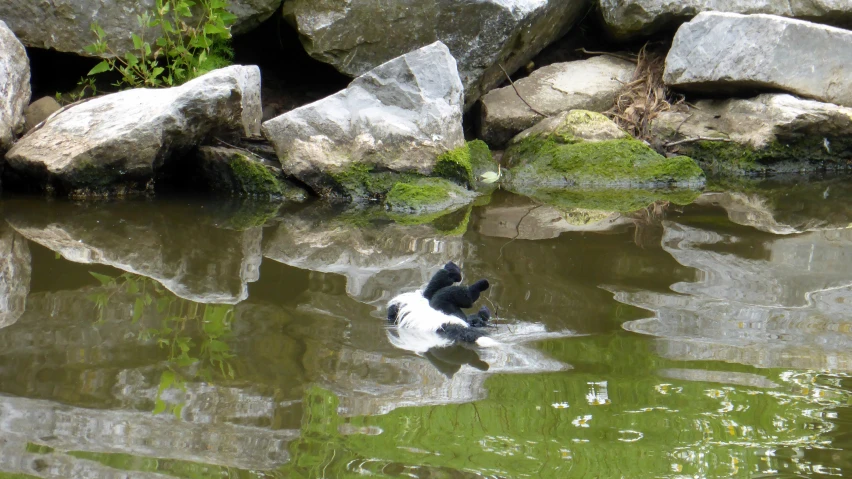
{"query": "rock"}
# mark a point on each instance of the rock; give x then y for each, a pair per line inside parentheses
(728, 52)
(116, 143)
(65, 27)
(427, 195)
(39, 110)
(786, 308)
(15, 274)
(14, 86)
(582, 148)
(592, 84)
(237, 172)
(631, 18)
(355, 36)
(397, 118)
(533, 221)
(768, 133)
(176, 246)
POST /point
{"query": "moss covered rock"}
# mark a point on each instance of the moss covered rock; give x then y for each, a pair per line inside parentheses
(466, 164)
(770, 133)
(427, 195)
(239, 173)
(581, 148)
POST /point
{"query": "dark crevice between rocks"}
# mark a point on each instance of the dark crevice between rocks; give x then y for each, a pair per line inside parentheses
(290, 77)
(54, 71)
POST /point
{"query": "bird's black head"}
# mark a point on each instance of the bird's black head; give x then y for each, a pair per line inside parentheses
(454, 270)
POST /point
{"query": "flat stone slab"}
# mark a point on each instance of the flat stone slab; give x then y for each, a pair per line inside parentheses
(626, 19)
(728, 52)
(591, 84)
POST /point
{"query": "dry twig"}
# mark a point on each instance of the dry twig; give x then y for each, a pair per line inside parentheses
(697, 138)
(519, 93)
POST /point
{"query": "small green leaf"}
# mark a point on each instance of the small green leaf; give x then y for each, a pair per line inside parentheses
(99, 68)
(132, 60)
(137, 40)
(138, 308)
(104, 279)
(159, 406)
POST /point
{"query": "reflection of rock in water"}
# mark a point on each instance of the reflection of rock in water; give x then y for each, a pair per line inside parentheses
(530, 221)
(139, 433)
(194, 260)
(437, 374)
(724, 377)
(15, 272)
(376, 259)
(788, 310)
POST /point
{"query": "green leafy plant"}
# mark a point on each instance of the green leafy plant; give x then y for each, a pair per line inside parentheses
(193, 41)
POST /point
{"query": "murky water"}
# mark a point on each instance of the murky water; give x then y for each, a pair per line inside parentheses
(179, 338)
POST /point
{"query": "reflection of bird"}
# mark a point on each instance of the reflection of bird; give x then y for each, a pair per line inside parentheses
(446, 356)
(825, 193)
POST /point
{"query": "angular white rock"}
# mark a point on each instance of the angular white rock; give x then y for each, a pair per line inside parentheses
(399, 116)
(14, 86)
(591, 84)
(731, 52)
(15, 274)
(629, 18)
(118, 141)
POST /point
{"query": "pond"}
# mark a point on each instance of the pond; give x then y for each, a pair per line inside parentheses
(191, 338)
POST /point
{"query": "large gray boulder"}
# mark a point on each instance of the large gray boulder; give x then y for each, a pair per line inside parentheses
(772, 132)
(591, 84)
(15, 273)
(116, 143)
(14, 86)
(631, 18)
(65, 25)
(728, 52)
(397, 117)
(355, 36)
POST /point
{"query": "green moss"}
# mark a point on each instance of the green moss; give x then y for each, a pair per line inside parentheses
(579, 120)
(404, 195)
(612, 199)
(253, 179)
(455, 223)
(456, 165)
(363, 182)
(611, 162)
(481, 159)
(805, 154)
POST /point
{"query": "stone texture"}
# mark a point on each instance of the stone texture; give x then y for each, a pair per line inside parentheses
(64, 26)
(776, 132)
(206, 260)
(399, 116)
(728, 52)
(355, 36)
(630, 18)
(15, 274)
(39, 110)
(591, 84)
(14, 86)
(236, 172)
(117, 142)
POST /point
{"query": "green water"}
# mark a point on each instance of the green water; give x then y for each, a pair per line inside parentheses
(190, 339)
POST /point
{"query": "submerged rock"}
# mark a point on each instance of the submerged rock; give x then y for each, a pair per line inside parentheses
(630, 18)
(116, 143)
(66, 27)
(356, 36)
(173, 245)
(718, 52)
(591, 84)
(15, 273)
(397, 118)
(236, 172)
(14, 86)
(582, 148)
(768, 133)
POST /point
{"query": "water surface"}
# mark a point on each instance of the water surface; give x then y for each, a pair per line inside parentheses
(194, 339)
